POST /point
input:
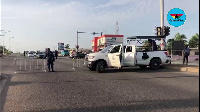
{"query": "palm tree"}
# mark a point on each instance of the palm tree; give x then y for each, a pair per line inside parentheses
(194, 41)
(180, 37)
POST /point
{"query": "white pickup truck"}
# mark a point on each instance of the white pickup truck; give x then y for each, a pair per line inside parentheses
(112, 56)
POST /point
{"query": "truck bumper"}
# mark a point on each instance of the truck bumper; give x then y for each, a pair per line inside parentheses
(89, 64)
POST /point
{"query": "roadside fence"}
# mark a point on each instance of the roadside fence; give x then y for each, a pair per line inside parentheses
(77, 63)
(30, 65)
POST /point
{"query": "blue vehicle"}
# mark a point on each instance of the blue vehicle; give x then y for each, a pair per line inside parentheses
(65, 53)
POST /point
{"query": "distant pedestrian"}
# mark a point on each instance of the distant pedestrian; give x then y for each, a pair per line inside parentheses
(50, 59)
(56, 54)
(24, 53)
(186, 53)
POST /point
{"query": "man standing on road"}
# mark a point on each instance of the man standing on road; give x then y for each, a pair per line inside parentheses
(50, 59)
(56, 54)
(186, 52)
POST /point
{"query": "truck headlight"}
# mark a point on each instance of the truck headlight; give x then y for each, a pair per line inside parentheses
(91, 57)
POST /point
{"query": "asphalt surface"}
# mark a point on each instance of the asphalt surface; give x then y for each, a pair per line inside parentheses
(68, 90)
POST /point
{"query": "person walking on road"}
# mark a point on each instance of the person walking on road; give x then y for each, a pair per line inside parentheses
(50, 59)
(186, 53)
(24, 53)
(56, 54)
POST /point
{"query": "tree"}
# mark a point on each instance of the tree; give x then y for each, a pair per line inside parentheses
(194, 41)
(67, 46)
(177, 37)
(180, 37)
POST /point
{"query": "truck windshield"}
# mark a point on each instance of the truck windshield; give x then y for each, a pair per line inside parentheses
(105, 50)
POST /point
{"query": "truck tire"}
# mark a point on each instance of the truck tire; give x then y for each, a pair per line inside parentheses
(92, 69)
(155, 64)
(101, 67)
(143, 66)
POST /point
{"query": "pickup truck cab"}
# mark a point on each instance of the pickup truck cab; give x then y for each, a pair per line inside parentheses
(125, 56)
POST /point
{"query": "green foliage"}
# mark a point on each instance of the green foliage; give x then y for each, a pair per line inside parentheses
(67, 46)
(177, 37)
(180, 37)
(194, 41)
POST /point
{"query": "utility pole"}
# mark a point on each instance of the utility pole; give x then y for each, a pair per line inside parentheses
(77, 46)
(162, 23)
(77, 42)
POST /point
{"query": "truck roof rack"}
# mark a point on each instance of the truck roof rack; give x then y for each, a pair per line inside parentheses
(146, 37)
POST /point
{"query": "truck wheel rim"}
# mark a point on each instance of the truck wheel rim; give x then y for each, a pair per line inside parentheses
(102, 66)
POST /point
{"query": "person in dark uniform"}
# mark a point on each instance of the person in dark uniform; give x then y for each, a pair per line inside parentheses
(186, 54)
(24, 53)
(56, 54)
(50, 59)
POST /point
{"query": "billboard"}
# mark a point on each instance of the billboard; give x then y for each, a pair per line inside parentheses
(178, 45)
(61, 46)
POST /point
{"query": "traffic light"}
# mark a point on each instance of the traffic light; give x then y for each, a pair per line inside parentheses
(166, 30)
(158, 31)
(77, 46)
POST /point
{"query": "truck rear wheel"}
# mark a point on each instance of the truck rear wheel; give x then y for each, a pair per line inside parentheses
(101, 67)
(155, 64)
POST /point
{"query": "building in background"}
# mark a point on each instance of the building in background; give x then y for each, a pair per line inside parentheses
(99, 43)
(61, 46)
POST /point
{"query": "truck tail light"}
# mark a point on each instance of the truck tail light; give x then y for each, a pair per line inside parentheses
(166, 53)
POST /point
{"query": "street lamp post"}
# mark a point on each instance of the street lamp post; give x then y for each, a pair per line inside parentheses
(9, 43)
(77, 46)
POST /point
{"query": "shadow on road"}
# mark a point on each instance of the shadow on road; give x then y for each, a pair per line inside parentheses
(146, 105)
(139, 70)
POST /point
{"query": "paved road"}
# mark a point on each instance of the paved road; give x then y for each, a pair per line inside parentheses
(83, 90)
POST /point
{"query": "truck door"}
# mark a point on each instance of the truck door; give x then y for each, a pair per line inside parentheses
(129, 56)
(115, 56)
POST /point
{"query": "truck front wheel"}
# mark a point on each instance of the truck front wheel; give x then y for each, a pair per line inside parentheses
(101, 65)
(155, 64)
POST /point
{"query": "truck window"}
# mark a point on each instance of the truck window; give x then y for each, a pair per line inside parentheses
(129, 49)
(115, 49)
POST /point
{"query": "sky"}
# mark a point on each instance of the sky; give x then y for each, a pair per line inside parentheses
(37, 24)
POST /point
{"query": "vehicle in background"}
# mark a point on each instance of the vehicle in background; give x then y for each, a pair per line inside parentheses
(65, 53)
(31, 54)
(40, 54)
(80, 55)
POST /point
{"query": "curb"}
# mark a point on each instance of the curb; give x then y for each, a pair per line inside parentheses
(186, 69)
(3, 81)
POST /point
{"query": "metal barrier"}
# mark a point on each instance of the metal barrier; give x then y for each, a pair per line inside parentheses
(28, 64)
(77, 63)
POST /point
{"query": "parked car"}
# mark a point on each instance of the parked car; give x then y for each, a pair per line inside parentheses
(31, 54)
(77, 55)
(65, 53)
(40, 54)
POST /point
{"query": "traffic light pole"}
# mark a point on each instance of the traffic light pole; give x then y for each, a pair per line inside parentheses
(162, 23)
